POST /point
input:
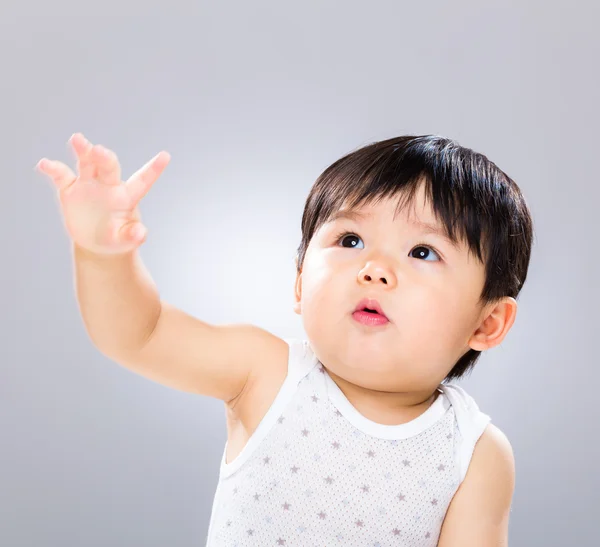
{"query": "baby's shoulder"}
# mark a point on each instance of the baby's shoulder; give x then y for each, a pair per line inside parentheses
(263, 385)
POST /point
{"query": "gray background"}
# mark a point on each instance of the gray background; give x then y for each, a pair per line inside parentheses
(253, 100)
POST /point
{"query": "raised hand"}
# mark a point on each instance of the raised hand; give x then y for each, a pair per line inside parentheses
(100, 211)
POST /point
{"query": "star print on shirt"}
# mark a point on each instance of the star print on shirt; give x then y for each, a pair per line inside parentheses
(385, 462)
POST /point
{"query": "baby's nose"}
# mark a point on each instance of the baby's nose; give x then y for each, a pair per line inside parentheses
(375, 272)
(367, 277)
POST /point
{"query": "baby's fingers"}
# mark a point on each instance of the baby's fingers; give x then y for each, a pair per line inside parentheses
(140, 182)
(61, 174)
(107, 165)
(83, 150)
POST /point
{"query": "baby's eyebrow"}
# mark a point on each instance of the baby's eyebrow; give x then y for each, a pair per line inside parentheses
(352, 215)
(424, 227)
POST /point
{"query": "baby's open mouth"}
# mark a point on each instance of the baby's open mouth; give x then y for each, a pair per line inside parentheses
(370, 317)
(371, 312)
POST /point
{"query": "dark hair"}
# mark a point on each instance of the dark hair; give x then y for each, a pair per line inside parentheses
(471, 197)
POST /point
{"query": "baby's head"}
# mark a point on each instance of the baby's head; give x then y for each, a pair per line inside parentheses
(448, 296)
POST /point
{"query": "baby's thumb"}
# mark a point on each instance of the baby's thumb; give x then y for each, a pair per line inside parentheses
(133, 231)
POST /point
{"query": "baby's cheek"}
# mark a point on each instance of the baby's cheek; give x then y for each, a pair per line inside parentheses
(318, 297)
(318, 311)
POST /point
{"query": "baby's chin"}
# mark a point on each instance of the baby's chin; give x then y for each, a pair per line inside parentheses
(356, 350)
(384, 379)
(374, 367)
(362, 364)
(376, 349)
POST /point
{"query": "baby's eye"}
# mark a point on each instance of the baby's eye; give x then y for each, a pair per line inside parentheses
(352, 240)
(423, 250)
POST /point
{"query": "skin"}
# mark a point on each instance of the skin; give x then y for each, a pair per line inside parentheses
(390, 374)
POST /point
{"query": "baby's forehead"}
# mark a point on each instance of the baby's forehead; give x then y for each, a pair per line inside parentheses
(365, 214)
(406, 208)
(423, 221)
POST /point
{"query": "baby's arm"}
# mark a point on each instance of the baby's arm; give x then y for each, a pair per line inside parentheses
(129, 323)
(120, 305)
(479, 512)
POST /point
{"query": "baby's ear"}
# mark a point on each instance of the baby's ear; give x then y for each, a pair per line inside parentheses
(298, 292)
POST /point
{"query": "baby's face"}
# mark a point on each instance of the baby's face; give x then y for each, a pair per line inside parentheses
(427, 289)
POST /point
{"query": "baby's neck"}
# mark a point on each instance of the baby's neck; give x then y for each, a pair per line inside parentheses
(386, 408)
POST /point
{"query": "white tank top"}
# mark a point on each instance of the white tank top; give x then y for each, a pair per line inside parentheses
(316, 472)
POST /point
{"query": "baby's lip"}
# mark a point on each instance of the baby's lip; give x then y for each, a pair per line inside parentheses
(370, 303)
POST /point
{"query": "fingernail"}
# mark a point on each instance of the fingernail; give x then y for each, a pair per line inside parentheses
(81, 138)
